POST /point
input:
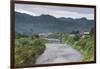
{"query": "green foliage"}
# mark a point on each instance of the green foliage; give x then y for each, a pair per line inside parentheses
(54, 35)
(75, 32)
(89, 49)
(76, 37)
(28, 49)
(92, 31)
(67, 39)
(17, 35)
(84, 45)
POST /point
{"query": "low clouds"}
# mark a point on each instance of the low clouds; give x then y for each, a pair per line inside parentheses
(57, 11)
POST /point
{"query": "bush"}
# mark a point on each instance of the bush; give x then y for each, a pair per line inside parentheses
(84, 45)
(27, 50)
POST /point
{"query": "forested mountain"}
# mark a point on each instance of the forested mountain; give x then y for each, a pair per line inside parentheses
(28, 24)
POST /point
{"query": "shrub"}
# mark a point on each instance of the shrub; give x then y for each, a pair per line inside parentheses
(84, 45)
(27, 50)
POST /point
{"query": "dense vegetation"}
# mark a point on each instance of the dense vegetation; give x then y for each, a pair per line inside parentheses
(84, 45)
(28, 48)
(49, 23)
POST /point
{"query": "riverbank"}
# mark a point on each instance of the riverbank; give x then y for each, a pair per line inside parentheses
(28, 49)
(84, 45)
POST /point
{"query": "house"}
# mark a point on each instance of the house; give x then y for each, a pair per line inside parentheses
(85, 34)
(81, 34)
(72, 35)
(43, 34)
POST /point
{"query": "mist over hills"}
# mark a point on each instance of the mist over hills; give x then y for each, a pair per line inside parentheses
(28, 24)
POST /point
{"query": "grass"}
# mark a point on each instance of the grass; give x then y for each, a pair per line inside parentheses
(84, 45)
(28, 49)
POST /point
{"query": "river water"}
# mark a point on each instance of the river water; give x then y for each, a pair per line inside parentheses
(56, 52)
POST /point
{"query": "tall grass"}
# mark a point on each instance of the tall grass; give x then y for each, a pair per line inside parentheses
(84, 45)
(28, 49)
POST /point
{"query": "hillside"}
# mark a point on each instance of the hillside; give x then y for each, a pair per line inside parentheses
(27, 24)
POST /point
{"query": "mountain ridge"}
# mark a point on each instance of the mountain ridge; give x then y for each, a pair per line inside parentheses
(27, 24)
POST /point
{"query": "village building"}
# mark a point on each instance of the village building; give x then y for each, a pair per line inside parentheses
(85, 34)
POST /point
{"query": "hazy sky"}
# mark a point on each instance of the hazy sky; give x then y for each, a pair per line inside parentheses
(57, 11)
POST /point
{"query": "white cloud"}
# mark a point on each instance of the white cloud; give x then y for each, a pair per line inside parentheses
(37, 10)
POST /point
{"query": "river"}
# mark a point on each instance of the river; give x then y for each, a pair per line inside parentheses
(56, 52)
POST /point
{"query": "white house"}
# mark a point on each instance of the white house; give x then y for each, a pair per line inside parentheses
(85, 34)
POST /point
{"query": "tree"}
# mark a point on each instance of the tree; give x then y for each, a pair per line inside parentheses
(75, 32)
(92, 31)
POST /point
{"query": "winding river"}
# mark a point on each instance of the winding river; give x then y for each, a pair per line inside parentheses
(56, 52)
